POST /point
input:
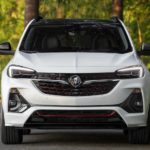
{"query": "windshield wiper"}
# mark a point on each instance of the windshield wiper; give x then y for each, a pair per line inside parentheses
(26, 51)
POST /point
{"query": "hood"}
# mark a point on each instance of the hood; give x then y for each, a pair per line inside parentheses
(74, 61)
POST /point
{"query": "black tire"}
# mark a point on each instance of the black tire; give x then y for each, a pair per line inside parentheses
(10, 135)
(140, 135)
(26, 131)
(125, 132)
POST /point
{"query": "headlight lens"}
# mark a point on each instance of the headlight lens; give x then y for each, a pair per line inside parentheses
(131, 72)
(20, 72)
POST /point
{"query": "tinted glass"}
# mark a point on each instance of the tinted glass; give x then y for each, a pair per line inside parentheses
(75, 38)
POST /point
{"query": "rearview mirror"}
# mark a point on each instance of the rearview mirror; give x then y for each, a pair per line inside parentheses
(145, 49)
(5, 49)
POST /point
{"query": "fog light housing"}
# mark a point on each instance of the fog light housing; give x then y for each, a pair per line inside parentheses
(134, 103)
(16, 102)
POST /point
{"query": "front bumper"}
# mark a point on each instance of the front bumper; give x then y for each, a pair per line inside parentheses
(130, 120)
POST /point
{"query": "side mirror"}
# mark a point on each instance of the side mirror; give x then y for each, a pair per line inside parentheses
(5, 49)
(145, 49)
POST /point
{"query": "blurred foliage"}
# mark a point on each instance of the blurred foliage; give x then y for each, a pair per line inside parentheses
(136, 17)
(11, 24)
(77, 8)
(11, 20)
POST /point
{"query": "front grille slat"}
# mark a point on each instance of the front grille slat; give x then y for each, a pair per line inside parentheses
(93, 88)
(84, 76)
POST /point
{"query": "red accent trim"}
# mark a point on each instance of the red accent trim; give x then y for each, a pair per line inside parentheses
(78, 116)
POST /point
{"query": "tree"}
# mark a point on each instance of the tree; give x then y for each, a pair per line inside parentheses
(117, 8)
(60, 9)
(76, 9)
(31, 10)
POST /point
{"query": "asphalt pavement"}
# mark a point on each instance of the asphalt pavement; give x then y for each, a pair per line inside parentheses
(75, 140)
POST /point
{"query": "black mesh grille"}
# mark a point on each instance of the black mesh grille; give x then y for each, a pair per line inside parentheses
(56, 88)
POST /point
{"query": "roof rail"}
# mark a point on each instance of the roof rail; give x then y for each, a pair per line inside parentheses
(38, 18)
(115, 19)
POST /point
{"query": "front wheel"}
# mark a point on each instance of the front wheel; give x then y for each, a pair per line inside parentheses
(10, 135)
(140, 135)
(26, 131)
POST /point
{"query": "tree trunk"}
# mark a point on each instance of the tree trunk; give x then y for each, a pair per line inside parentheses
(60, 10)
(117, 8)
(31, 10)
(140, 38)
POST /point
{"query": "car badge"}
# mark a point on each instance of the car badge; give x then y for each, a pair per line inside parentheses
(75, 81)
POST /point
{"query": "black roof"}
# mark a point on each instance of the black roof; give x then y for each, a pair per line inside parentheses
(73, 21)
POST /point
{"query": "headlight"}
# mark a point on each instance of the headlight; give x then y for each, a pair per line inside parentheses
(130, 72)
(20, 72)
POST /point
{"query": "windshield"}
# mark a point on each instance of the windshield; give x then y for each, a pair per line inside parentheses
(75, 38)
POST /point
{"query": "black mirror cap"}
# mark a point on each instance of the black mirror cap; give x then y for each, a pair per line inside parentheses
(5, 46)
(145, 50)
(5, 49)
(145, 47)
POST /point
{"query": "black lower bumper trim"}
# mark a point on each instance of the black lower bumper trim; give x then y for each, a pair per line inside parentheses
(75, 119)
(119, 125)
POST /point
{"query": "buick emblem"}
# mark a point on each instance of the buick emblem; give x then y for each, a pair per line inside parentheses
(75, 81)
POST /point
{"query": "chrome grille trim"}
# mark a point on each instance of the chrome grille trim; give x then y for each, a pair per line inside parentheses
(65, 82)
(55, 81)
(96, 81)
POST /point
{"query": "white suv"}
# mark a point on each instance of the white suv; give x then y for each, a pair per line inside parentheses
(75, 74)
